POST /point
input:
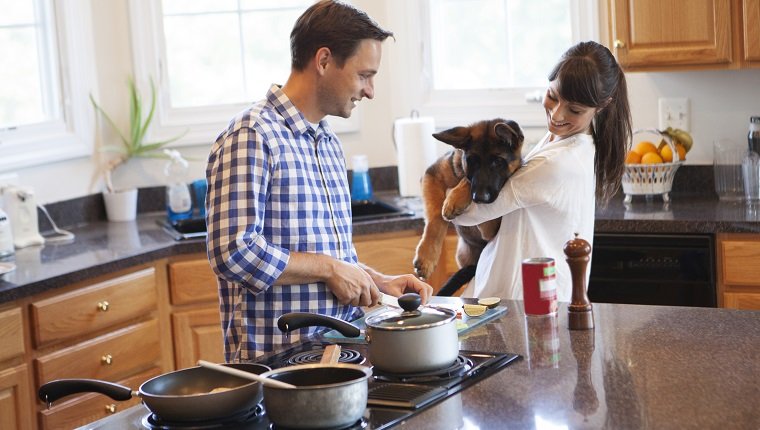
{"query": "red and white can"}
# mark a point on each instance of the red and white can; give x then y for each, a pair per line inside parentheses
(539, 280)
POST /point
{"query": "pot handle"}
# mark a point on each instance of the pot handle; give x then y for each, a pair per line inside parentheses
(54, 390)
(295, 320)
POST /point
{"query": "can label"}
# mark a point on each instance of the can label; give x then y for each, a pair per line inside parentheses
(539, 279)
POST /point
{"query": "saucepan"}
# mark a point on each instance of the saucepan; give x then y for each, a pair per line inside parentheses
(192, 394)
(327, 395)
(417, 339)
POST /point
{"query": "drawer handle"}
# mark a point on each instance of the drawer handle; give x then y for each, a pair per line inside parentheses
(111, 409)
(618, 44)
(106, 359)
(103, 306)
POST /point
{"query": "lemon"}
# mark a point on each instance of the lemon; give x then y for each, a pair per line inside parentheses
(489, 302)
(474, 310)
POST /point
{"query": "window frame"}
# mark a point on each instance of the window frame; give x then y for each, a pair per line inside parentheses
(456, 107)
(71, 136)
(200, 125)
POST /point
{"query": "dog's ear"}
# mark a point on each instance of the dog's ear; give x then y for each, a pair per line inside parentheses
(458, 137)
(509, 131)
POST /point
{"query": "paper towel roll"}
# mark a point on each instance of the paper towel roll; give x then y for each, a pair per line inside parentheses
(416, 150)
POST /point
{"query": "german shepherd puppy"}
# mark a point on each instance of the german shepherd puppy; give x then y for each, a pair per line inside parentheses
(485, 155)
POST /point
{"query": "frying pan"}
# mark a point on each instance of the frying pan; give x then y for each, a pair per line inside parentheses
(183, 395)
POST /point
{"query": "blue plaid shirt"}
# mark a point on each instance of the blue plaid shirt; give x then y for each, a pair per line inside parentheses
(275, 185)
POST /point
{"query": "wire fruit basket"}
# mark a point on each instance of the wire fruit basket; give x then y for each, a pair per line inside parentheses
(651, 179)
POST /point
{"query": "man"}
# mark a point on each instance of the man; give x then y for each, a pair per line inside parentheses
(279, 214)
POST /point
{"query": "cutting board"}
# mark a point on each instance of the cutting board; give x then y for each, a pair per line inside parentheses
(464, 324)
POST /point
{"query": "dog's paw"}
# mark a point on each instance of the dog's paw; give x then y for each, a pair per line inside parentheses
(423, 267)
(451, 211)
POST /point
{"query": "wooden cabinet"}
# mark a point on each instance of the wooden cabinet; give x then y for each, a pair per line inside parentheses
(738, 271)
(393, 254)
(677, 35)
(15, 399)
(196, 325)
(108, 328)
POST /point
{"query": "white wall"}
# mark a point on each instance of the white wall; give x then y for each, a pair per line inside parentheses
(721, 103)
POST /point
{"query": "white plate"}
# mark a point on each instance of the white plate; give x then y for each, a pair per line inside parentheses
(6, 267)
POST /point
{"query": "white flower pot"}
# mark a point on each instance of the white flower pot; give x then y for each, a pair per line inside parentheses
(121, 205)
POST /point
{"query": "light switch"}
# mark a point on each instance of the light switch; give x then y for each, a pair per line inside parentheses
(674, 112)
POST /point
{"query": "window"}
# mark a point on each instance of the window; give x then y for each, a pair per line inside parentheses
(212, 58)
(45, 80)
(487, 58)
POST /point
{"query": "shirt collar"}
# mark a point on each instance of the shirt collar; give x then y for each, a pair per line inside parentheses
(290, 113)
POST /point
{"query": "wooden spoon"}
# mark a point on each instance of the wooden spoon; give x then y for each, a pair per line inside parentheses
(331, 355)
(244, 374)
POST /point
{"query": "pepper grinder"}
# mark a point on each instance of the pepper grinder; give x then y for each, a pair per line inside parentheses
(580, 315)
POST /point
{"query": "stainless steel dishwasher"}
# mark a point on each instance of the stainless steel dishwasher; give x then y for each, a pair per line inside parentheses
(653, 269)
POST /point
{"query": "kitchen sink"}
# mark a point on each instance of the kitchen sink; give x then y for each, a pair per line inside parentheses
(367, 210)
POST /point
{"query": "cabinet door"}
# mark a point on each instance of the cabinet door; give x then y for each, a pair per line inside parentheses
(655, 33)
(751, 21)
(11, 334)
(197, 336)
(15, 410)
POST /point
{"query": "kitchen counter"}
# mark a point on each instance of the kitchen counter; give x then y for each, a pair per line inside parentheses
(102, 247)
(642, 367)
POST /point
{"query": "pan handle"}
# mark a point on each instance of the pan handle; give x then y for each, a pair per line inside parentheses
(59, 388)
(295, 320)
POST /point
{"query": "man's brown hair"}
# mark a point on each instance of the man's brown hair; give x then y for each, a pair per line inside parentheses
(334, 25)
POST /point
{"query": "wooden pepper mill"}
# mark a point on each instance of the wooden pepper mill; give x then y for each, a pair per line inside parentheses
(580, 315)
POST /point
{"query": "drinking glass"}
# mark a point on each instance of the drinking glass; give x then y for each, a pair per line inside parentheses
(727, 166)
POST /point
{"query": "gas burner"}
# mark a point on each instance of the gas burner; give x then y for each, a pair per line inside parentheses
(457, 369)
(309, 357)
(359, 425)
(154, 422)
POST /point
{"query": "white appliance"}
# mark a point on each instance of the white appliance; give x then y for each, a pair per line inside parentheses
(21, 207)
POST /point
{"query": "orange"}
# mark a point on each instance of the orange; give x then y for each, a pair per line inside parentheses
(632, 158)
(651, 158)
(644, 147)
(667, 153)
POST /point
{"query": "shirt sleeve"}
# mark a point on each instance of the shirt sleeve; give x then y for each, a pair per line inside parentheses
(533, 184)
(238, 175)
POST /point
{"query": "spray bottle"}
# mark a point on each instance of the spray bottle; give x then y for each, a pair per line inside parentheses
(179, 203)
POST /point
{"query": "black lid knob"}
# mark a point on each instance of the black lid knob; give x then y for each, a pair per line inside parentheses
(410, 301)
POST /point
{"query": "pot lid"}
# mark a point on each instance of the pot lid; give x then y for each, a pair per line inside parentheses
(411, 317)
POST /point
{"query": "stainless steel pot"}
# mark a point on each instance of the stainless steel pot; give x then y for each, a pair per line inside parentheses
(409, 341)
(326, 396)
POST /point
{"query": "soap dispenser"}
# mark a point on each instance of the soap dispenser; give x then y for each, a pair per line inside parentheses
(361, 186)
(179, 203)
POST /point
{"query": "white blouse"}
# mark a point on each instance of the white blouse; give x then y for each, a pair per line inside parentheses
(542, 206)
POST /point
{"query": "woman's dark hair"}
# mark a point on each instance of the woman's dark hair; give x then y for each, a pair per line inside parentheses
(335, 25)
(588, 74)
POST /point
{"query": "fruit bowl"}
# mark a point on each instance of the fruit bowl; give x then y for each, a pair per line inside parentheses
(655, 177)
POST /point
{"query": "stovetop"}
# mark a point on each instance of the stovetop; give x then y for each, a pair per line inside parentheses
(392, 398)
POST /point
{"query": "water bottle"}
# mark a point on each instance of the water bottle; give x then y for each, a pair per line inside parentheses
(754, 134)
(179, 203)
(361, 187)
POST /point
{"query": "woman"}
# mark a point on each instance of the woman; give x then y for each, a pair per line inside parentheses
(554, 194)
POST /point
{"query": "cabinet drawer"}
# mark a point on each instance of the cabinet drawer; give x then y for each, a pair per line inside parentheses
(82, 410)
(93, 308)
(747, 301)
(107, 357)
(740, 262)
(11, 334)
(192, 281)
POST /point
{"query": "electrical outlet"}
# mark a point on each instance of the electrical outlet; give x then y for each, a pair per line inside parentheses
(674, 112)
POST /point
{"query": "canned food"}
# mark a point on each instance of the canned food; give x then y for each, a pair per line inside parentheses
(539, 279)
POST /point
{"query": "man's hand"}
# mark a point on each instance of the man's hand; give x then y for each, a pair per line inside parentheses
(398, 285)
(352, 285)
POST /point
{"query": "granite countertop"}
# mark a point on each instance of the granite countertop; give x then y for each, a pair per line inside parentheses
(101, 247)
(653, 367)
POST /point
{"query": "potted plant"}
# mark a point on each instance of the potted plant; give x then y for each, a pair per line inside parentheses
(121, 205)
